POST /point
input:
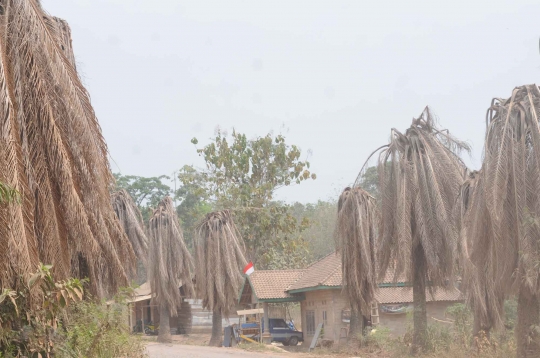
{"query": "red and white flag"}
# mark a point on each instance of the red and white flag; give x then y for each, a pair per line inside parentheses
(248, 270)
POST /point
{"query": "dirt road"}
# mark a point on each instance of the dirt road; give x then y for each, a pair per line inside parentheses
(157, 350)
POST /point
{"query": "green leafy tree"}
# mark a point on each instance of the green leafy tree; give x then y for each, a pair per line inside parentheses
(369, 181)
(243, 175)
(146, 192)
(320, 220)
(194, 198)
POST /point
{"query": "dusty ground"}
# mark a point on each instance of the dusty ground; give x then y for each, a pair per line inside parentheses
(195, 345)
(156, 350)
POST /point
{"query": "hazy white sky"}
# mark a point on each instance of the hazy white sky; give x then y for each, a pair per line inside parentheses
(335, 76)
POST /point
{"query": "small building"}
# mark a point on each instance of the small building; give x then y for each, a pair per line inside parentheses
(318, 289)
(265, 287)
(143, 311)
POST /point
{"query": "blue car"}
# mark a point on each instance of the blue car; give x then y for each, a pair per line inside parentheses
(280, 332)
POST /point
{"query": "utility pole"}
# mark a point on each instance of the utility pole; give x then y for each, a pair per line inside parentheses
(174, 197)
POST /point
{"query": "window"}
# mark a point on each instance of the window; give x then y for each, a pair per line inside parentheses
(279, 324)
(310, 323)
(324, 317)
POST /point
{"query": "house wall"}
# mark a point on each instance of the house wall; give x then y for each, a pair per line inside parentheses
(334, 302)
(398, 323)
(330, 301)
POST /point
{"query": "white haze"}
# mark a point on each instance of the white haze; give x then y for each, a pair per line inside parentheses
(335, 76)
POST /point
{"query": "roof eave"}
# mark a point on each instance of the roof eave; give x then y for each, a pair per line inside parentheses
(314, 288)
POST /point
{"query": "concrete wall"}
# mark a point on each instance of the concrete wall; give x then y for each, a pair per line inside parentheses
(330, 301)
(397, 323)
(333, 302)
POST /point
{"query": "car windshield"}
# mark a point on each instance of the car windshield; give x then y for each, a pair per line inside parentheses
(279, 323)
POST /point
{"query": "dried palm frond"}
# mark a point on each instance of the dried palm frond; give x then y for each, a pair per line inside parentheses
(478, 265)
(420, 173)
(512, 186)
(169, 261)
(219, 253)
(512, 196)
(132, 222)
(53, 153)
(355, 241)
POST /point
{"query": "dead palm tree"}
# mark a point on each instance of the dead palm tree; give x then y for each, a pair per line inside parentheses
(53, 153)
(132, 222)
(420, 173)
(355, 241)
(511, 190)
(478, 264)
(169, 264)
(219, 253)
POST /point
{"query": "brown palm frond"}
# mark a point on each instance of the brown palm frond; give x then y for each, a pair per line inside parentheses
(355, 241)
(512, 187)
(419, 176)
(478, 265)
(132, 222)
(219, 253)
(53, 153)
(169, 261)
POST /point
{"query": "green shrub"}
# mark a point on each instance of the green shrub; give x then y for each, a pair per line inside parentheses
(98, 330)
(375, 339)
(462, 316)
(50, 318)
(510, 313)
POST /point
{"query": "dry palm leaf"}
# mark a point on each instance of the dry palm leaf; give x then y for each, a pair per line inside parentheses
(512, 186)
(355, 241)
(53, 153)
(169, 261)
(511, 189)
(219, 253)
(420, 173)
(132, 222)
(478, 265)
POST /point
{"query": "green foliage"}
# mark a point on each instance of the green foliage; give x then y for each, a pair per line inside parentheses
(510, 313)
(29, 317)
(8, 194)
(194, 197)
(462, 316)
(49, 318)
(99, 330)
(376, 339)
(146, 192)
(320, 221)
(243, 175)
(369, 181)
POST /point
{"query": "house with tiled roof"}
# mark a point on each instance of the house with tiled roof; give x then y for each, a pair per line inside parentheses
(318, 289)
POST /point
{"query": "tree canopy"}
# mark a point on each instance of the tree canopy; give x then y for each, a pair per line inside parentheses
(243, 175)
(147, 192)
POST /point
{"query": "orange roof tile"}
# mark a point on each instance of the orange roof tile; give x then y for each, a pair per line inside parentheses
(269, 284)
(275, 284)
(325, 272)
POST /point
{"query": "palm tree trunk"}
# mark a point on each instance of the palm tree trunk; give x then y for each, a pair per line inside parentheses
(477, 328)
(164, 335)
(216, 338)
(528, 315)
(419, 300)
(356, 325)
